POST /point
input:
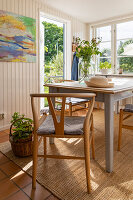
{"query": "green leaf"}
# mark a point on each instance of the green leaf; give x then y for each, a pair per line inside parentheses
(105, 65)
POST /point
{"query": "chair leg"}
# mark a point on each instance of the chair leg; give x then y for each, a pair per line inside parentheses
(35, 152)
(120, 129)
(88, 104)
(93, 147)
(70, 109)
(87, 161)
(45, 146)
(93, 140)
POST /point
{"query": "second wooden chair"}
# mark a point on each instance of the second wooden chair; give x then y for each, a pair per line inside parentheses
(74, 104)
(127, 112)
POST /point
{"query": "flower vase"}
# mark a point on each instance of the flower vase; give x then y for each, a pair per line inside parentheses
(84, 69)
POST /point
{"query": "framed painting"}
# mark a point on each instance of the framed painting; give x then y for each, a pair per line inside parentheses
(17, 38)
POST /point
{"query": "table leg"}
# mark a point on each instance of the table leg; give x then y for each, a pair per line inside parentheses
(109, 130)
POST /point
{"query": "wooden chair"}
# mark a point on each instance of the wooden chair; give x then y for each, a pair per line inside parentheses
(73, 102)
(79, 127)
(127, 112)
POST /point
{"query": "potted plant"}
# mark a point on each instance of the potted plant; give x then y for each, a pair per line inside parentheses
(120, 70)
(85, 50)
(21, 135)
(105, 66)
(124, 67)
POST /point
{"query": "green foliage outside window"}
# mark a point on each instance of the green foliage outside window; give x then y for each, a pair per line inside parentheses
(53, 47)
(55, 67)
(53, 40)
(126, 63)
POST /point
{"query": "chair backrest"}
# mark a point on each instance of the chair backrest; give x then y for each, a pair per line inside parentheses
(59, 125)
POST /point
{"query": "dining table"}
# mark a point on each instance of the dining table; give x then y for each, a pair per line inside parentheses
(122, 89)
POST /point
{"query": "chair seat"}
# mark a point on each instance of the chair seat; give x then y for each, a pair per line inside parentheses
(72, 126)
(44, 110)
(128, 108)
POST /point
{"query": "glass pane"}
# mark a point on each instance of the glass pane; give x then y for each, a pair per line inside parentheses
(104, 33)
(105, 49)
(91, 33)
(126, 63)
(125, 47)
(125, 30)
(102, 60)
(105, 59)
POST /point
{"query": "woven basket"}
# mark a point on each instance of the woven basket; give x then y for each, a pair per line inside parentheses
(23, 147)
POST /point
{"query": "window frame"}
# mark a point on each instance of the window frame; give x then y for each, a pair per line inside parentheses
(113, 23)
(105, 41)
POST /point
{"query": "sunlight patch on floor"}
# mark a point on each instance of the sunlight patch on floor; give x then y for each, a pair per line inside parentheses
(71, 140)
(92, 174)
(29, 165)
(94, 184)
(18, 174)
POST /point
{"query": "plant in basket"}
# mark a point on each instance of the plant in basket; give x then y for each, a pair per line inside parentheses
(21, 135)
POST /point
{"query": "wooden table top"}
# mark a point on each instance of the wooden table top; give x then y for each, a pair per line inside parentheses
(120, 85)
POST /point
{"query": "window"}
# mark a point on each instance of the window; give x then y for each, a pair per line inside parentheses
(116, 46)
(52, 52)
(105, 46)
(125, 46)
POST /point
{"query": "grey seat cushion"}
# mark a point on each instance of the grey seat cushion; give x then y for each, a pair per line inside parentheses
(72, 125)
(44, 110)
(74, 101)
(128, 108)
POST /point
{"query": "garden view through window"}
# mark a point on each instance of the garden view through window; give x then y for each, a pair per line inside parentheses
(105, 46)
(53, 52)
(125, 46)
(122, 39)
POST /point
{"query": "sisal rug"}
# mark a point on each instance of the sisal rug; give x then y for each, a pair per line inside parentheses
(66, 178)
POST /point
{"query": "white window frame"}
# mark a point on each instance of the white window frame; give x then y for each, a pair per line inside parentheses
(67, 50)
(105, 42)
(113, 24)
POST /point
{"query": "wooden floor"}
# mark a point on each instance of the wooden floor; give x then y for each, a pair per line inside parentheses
(19, 187)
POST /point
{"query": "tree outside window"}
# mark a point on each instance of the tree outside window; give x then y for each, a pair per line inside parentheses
(125, 46)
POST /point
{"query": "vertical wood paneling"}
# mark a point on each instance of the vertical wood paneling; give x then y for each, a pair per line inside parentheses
(1, 93)
(8, 111)
(27, 13)
(30, 66)
(13, 72)
(5, 81)
(1, 83)
(18, 80)
(37, 66)
(20, 88)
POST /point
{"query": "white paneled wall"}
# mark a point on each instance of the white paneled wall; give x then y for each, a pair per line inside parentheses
(18, 80)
